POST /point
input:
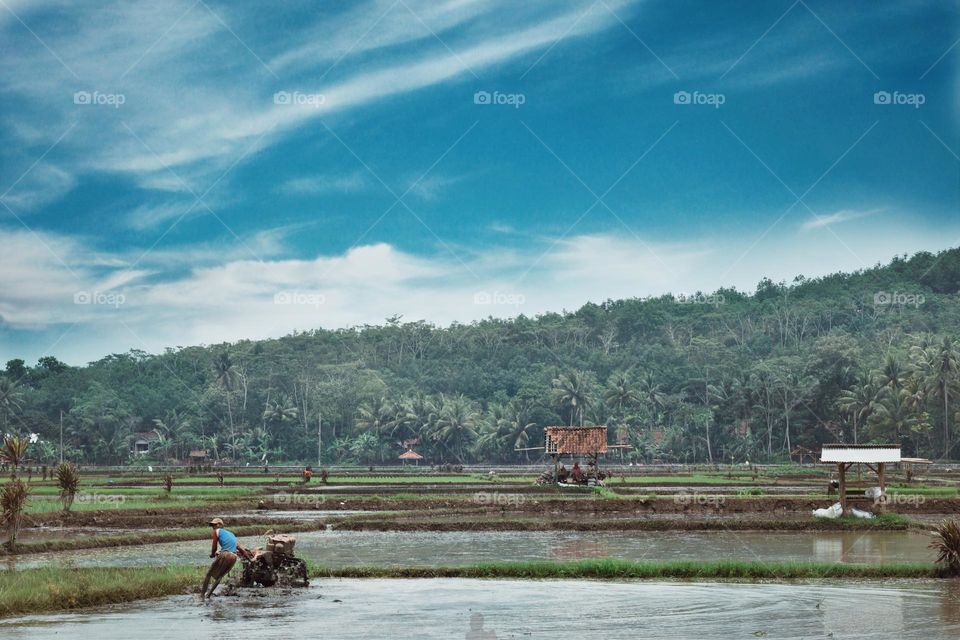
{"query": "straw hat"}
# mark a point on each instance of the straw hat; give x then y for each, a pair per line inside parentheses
(216, 522)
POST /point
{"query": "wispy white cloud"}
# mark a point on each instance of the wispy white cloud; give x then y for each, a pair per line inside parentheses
(205, 293)
(195, 100)
(430, 187)
(314, 185)
(838, 217)
(42, 184)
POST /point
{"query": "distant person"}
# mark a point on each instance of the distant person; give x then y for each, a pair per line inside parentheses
(225, 559)
(562, 474)
(577, 472)
(307, 474)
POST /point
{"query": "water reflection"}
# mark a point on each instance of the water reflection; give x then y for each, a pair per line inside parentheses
(451, 608)
(458, 548)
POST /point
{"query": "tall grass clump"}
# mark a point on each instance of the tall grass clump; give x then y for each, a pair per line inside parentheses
(14, 495)
(68, 481)
(946, 542)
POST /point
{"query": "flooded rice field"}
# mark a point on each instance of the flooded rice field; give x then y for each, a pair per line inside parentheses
(457, 608)
(341, 548)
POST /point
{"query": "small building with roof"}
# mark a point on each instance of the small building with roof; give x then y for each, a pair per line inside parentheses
(143, 442)
(873, 456)
(411, 455)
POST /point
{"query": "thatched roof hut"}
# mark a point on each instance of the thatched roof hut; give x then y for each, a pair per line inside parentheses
(410, 454)
(575, 440)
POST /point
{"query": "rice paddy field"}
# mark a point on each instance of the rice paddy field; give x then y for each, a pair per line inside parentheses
(129, 550)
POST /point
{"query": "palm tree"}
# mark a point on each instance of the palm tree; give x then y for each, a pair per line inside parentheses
(892, 375)
(11, 400)
(893, 413)
(227, 375)
(493, 432)
(280, 411)
(572, 393)
(650, 394)
(939, 365)
(214, 441)
(456, 426)
(374, 416)
(173, 428)
(620, 393)
(519, 425)
(860, 402)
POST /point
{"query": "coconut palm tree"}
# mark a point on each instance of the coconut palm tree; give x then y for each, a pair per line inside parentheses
(860, 402)
(620, 392)
(572, 393)
(893, 414)
(227, 376)
(373, 417)
(650, 394)
(493, 432)
(173, 429)
(939, 366)
(519, 424)
(11, 400)
(457, 426)
(893, 375)
(280, 411)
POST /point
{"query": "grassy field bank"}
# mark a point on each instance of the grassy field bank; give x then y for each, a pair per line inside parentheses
(52, 589)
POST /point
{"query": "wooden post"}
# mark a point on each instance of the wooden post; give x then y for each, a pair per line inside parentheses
(883, 486)
(841, 467)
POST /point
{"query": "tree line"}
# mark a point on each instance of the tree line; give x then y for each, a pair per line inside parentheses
(869, 356)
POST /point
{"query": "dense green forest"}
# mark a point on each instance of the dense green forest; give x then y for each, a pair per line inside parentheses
(870, 356)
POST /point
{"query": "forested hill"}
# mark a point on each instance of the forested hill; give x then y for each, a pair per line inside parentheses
(725, 376)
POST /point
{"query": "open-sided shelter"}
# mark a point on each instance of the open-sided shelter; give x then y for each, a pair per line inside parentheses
(873, 456)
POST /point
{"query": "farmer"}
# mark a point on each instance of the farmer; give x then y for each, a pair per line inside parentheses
(224, 560)
(577, 473)
(307, 474)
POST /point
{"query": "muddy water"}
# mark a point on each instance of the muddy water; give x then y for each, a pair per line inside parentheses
(335, 548)
(527, 609)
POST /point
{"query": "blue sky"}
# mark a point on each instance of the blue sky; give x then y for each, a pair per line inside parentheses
(190, 172)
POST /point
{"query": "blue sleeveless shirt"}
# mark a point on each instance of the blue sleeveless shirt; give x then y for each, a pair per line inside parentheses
(228, 541)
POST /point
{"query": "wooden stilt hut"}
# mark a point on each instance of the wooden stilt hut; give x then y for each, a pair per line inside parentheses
(583, 441)
(873, 456)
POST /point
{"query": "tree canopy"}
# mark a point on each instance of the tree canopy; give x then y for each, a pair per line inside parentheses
(870, 356)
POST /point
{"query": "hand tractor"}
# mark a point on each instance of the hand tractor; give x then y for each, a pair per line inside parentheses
(276, 563)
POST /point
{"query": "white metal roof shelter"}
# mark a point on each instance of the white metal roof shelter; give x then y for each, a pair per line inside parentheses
(862, 453)
(872, 456)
